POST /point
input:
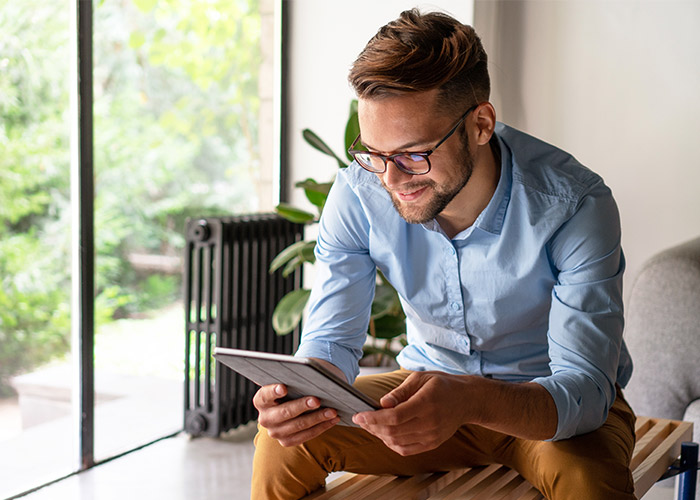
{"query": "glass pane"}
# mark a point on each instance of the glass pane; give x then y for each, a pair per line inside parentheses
(36, 440)
(176, 136)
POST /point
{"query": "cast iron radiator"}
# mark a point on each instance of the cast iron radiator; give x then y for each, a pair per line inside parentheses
(229, 299)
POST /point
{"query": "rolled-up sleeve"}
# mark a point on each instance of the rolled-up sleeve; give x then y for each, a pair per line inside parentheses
(341, 297)
(586, 316)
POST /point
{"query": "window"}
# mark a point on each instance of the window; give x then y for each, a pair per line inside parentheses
(179, 110)
(35, 243)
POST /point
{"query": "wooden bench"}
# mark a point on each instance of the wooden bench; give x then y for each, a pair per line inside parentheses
(657, 448)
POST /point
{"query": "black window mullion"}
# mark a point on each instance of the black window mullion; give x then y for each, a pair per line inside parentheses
(84, 241)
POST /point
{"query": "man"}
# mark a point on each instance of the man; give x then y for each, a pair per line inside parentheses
(506, 254)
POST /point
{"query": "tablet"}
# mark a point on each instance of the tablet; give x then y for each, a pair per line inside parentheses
(302, 376)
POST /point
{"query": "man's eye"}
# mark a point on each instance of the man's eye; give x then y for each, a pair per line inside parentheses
(414, 157)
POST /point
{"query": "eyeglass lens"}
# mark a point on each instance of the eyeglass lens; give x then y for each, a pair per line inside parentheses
(410, 163)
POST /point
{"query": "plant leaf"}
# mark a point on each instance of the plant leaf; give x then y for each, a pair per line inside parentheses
(306, 255)
(300, 249)
(294, 214)
(317, 143)
(145, 5)
(385, 301)
(293, 263)
(287, 314)
(390, 326)
(319, 187)
(136, 40)
(316, 193)
(352, 128)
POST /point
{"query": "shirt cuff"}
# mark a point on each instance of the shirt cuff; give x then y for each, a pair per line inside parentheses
(343, 358)
(579, 409)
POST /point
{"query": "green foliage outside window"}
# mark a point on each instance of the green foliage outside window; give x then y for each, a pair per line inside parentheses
(175, 116)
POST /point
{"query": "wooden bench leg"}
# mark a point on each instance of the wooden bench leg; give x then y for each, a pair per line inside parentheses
(687, 480)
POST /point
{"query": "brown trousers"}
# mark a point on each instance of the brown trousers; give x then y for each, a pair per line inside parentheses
(592, 466)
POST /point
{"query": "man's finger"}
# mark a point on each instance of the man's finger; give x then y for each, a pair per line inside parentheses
(309, 433)
(277, 414)
(268, 394)
(382, 420)
(298, 426)
(402, 393)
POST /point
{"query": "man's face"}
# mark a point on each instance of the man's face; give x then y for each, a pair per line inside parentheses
(413, 123)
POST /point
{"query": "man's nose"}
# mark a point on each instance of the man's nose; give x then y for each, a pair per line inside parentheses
(394, 177)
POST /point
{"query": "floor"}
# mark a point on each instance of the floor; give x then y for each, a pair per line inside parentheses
(181, 468)
(177, 468)
(37, 441)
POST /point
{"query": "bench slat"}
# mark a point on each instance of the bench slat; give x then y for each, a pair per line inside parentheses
(657, 462)
(470, 481)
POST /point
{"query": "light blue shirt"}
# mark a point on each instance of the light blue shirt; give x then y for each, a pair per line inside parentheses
(532, 291)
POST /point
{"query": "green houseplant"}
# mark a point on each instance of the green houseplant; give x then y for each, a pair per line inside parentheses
(387, 325)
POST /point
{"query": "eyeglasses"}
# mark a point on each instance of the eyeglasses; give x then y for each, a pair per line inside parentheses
(407, 162)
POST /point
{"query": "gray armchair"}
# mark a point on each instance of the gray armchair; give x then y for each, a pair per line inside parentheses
(663, 335)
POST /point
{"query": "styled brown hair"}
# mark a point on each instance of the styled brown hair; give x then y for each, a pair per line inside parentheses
(420, 52)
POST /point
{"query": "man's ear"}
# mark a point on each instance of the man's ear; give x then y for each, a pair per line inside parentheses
(485, 119)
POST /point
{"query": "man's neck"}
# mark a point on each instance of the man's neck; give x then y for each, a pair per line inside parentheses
(475, 196)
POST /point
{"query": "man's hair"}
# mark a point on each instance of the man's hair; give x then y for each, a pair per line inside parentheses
(420, 52)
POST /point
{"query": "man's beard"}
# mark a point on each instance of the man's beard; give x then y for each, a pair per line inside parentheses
(442, 195)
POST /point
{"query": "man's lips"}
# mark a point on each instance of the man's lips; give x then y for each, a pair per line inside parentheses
(410, 194)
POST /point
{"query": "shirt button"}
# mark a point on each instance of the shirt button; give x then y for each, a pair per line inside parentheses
(455, 306)
(452, 250)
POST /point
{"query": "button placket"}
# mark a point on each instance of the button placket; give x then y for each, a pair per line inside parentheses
(454, 290)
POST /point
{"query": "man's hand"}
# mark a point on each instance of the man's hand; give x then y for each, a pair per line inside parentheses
(419, 415)
(428, 408)
(293, 422)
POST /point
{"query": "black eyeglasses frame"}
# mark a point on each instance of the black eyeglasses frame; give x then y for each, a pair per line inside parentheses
(390, 157)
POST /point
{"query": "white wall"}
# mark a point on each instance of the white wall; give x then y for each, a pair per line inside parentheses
(325, 37)
(617, 84)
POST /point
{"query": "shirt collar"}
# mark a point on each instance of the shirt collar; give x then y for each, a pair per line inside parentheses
(491, 218)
